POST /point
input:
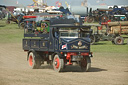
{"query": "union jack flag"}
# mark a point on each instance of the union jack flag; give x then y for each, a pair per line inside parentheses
(64, 46)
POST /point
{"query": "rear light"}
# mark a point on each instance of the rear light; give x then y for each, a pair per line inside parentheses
(61, 52)
(90, 54)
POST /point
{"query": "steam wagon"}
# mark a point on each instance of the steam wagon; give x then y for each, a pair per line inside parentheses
(59, 42)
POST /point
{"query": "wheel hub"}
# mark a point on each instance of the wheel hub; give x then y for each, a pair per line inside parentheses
(30, 61)
(84, 63)
(55, 63)
(119, 41)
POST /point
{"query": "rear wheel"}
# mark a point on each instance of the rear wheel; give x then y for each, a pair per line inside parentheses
(34, 64)
(104, 18)
(115, 6)
(58, 63)
(119, 40)
(93, 39)
(21, 25)
(90, 19)
(97, 38)
(85, 64)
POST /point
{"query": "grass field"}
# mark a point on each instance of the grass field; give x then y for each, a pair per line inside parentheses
(10, 33)
(108, 47)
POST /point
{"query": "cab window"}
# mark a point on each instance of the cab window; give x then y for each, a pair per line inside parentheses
(68, 32)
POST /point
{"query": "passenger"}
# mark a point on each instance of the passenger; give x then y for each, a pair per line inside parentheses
(29, 27)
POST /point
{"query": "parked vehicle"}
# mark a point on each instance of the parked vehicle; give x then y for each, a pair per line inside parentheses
(2, 13)
(111, 31)
(103, 15)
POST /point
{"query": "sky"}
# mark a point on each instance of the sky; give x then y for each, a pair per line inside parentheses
(71, 2)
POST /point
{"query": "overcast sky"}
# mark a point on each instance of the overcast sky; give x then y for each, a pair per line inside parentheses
(71, 2)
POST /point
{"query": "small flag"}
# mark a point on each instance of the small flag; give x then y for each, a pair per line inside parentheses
(64, 46)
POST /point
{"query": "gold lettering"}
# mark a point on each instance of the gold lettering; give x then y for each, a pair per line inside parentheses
(43, 44)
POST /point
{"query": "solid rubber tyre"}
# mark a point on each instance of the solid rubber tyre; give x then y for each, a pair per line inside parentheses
(93, 39)
(58, 63)
(90, 19)
(34, 64)
(85, 64)
(115, 6)
(119, 40)
(21, 25)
